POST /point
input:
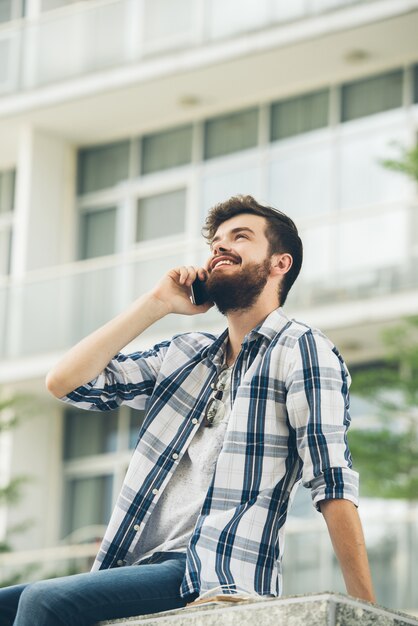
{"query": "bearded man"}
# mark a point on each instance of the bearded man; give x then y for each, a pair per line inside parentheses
(233, 423)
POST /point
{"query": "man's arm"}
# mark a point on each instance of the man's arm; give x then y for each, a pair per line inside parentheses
(89, 357)
(347, 538)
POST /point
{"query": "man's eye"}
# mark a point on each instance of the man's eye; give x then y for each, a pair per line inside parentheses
(241, 235)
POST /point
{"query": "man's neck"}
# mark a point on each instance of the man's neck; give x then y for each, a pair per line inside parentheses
(240, 323)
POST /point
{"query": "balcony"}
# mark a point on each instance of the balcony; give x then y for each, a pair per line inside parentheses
(50, 309)
(105, 34)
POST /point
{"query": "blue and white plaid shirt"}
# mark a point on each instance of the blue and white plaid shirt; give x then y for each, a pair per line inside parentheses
(288, 422)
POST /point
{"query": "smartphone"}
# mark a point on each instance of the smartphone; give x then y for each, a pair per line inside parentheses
(199, 293)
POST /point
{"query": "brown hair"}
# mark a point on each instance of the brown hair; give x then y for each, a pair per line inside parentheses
(281, 232)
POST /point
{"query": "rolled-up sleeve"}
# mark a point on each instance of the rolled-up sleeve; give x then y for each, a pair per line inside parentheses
(318, 411)
(127, 379)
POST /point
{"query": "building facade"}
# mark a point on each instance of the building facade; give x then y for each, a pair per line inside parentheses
(121, 123)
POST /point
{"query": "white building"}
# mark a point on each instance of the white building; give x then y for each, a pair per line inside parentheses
(121, 123)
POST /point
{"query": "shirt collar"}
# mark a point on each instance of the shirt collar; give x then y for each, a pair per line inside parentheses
(273, 324)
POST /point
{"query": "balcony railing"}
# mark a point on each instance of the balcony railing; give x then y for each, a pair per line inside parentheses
(93, 36)
(51, 310)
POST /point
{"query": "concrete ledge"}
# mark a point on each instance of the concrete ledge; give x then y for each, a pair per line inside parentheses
(319, 609)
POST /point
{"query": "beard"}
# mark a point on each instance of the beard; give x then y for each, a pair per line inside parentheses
(239, 290)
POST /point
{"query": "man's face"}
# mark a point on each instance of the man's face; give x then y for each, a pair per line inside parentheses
(240, 263)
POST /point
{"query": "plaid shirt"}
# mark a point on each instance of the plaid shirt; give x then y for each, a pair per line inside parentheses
(288, 422)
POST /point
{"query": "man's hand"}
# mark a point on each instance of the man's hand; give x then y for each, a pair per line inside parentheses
(173, 290)
(90, 356)
(346, 534)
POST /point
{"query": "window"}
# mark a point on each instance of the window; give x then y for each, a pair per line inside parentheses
(88, 435)
(88, 502)
(96, 451)
(416, 83)
(372, 95)
(161, 215)
(11, 9)
(231, 133)
(7, 190)
(101, 167)
(97, 233)
(170, 148)
(299, 115)
(7, 195)
(5, 251)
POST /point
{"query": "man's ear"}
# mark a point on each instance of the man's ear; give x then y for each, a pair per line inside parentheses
(281, 263)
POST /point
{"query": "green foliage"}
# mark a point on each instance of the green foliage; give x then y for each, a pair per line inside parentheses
(407, 163)
(387, 455)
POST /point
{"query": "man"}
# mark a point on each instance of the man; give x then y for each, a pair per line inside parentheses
(232, 424)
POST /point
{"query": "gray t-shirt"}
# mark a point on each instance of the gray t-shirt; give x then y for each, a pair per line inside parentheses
(174, 517)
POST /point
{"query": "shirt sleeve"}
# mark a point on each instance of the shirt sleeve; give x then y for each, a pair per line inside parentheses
(318, 411)
(127, 379)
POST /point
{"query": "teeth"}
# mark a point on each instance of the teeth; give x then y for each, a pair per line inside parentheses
(225, 262)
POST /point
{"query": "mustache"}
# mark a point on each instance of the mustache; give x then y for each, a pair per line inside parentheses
(231, 257)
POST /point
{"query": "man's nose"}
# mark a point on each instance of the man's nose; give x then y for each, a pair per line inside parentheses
(220, 246)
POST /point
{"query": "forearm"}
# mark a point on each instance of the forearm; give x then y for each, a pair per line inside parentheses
(347, 538)
(90, 356)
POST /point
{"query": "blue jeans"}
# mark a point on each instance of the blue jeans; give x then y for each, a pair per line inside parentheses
(84, 599)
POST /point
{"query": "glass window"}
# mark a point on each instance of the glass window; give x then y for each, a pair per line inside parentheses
(161, 215)
(372, 95)
(6, 10)
(88, 502)
(5, 250)
(97, 233)
(299, 115)
(135, 422)
(170, 148)
(88, 434)
(7, 191)
(231, 133)
(416, 83)
(101, 167)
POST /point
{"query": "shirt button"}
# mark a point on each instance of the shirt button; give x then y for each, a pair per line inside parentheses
(194, 421)
(155, 491)
(175, 455)
(120, 563)
(137, 527)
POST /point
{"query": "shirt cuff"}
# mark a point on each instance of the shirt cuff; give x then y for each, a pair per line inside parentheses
(335, 483)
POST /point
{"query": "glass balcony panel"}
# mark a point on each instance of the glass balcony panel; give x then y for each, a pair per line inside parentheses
(301, 180)
(363, 179)
(319, 6)
(229, 18)
(374, 242)
(317, 253)
(161, 215)
(98, 233)
(284, 11)
(168, 24)
(220, 185)
(88, 435)
(95, 38)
